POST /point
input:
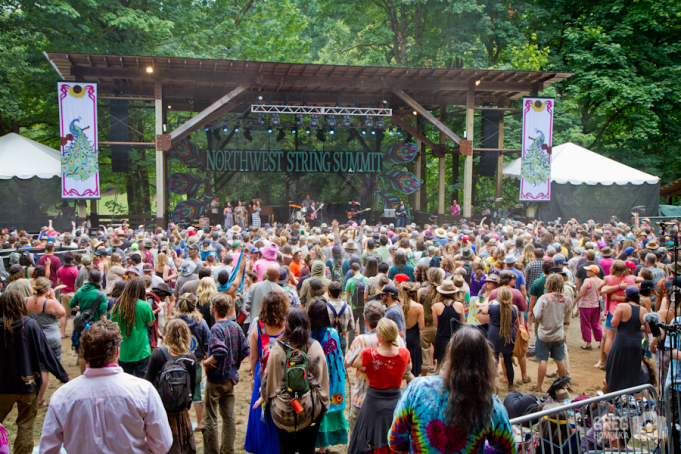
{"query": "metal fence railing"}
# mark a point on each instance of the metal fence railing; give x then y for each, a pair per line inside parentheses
(671, 399)
(58, 251)
(625, 421)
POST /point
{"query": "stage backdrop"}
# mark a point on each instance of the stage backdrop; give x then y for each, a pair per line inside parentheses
(78, 135)
(537, 140)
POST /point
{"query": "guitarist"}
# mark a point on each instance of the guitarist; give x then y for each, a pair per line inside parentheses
(353, 213)
(401, 213)
(312, 214)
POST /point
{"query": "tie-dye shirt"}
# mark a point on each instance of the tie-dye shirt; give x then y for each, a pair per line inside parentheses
(418, 426)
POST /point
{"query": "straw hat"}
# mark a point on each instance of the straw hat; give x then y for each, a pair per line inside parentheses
(440, 233)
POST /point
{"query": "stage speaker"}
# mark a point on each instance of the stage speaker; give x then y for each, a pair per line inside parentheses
(118, 110)
(490, 139)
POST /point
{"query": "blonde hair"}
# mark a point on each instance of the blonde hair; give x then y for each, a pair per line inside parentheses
(42, 285)
(206, 289)
(161, 261)
(115, 260)
(505, 298)
(177, 336)
(187, 306)
(388, 330)
(554, 284)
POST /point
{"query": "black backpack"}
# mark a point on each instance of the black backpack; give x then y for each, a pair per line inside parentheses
(337, 316)
(174, 383)
(86, 318)
(358, 295)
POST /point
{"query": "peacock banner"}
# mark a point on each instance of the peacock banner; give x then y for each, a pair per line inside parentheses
(78, 136)
(535, 182)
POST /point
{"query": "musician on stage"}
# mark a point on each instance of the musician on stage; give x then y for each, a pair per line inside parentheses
(307, 202)
(312, 215)
(401, 213)
(352, 213)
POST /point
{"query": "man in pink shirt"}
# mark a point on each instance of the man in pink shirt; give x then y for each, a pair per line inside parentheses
(67, 275)
(269, 256)
(54, 262)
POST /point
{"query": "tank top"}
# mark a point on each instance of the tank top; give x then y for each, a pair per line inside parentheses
(49, 325)
(444, 327)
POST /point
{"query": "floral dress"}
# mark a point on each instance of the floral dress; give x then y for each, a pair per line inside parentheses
(240, 216)
(229, 219)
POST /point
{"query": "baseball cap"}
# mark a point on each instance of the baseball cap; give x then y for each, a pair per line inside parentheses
(629, 250)
(559, 261)
(401, 278)
(510, 258)
(593, 269)
(315, 283)
(389, 290)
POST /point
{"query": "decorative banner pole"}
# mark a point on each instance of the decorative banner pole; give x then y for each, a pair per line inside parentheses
(537, 141)
(78, 136)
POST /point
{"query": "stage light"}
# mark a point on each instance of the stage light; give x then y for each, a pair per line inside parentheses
(281, 135)
(247, 135)
(477, 82)
(236, 129)
(293, 130)
(269, 130)
(332, 131)
(275, 121)
(206, 129)
(373, 132)
(314, 120)
(225, 129)
(307, 131)
(331, 121)
(399, 132)
(299, 120)
(380, 123)
(415, 113)
(390, 131)
(364, 132)
(261, 119)
(368, 122)
(320, 135)
(346, 121)
(150, 69)
(170, 107)
(259, 98)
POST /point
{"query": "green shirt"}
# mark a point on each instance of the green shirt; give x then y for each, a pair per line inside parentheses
(136, 346)
(352, 283)
(537, 288)
(384, 253)
(86, 298)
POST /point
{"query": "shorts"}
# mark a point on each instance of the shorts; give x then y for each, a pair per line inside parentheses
(196, 398)
(555, 349)
(57, 354)
(66, 300)
(608, 319)
(427, 339)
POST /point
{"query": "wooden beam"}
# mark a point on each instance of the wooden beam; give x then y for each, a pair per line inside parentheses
(204, 116)
(411, 130)
(160, 168)
(428, 116)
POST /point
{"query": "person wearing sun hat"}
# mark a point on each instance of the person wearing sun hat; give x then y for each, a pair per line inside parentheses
(441, 237)
(447, 305)
(606, 259)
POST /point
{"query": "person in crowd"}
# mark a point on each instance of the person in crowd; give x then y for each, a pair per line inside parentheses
(288, 288)
(261, 436)
(89, 297)
(623, 365)
(297, 430)
(333, 429)
(176, 348)
(46, 310)
(133, 315)
(426, 296)
(385, 367)
(457, 410)
(200, 332)
(502, 315)
(447, 305)
(66, 275)
(24, 352)
(414, 323)
(258, 291)
(227, 349)
(587, 303)
(317, 270)
(549, 312)
(340, 314)
(133, 419)
(400, 266)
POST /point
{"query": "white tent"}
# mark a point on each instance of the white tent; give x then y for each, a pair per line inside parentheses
(573, 164)
(25, 158)
(586, 185)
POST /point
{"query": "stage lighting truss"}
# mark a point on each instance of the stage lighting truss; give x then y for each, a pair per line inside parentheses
(314, 120)
(346, 121)
(331, 121)
(275, 121)
(322, 110)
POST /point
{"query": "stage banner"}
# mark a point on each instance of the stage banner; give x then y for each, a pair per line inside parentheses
(78, 136)
(535, 183)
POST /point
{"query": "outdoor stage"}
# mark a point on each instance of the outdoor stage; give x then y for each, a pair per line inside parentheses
(209, 93)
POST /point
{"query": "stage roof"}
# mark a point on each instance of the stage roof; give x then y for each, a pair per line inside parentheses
(206, 80)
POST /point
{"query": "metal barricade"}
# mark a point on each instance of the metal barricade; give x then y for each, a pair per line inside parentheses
(672, 399)
(624, 421)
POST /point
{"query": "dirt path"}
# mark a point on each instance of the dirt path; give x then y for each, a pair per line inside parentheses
(585, 378)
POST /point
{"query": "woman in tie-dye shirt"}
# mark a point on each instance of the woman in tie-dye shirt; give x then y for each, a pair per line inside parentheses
(452, 412)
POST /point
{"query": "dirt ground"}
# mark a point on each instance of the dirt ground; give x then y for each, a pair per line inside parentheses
(585, 378)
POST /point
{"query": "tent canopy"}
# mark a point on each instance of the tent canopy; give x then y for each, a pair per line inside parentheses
(25, 158)
(573, 164)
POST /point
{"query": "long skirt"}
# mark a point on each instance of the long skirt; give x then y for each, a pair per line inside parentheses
(374, 420)
(333, 430)
(261, 437)
(183, 435)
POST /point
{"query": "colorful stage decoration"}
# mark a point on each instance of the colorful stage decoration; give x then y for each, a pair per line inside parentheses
(190, 182)
(537, 140)
(191, 209)
(78, 140)
(185, 183)
(188, 153)
(396, 180)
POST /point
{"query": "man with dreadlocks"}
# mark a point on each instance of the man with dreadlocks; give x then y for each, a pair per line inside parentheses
(23, 347)
(502, 316)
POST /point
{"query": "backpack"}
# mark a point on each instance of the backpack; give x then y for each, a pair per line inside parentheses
(358, 295)
(174, 383)
(86, 318)
(296, 375)
(337, 316)
(337, 274)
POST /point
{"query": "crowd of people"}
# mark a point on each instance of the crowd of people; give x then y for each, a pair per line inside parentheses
(162, 321)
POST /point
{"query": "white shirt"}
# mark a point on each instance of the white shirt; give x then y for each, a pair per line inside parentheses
(106, 410)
